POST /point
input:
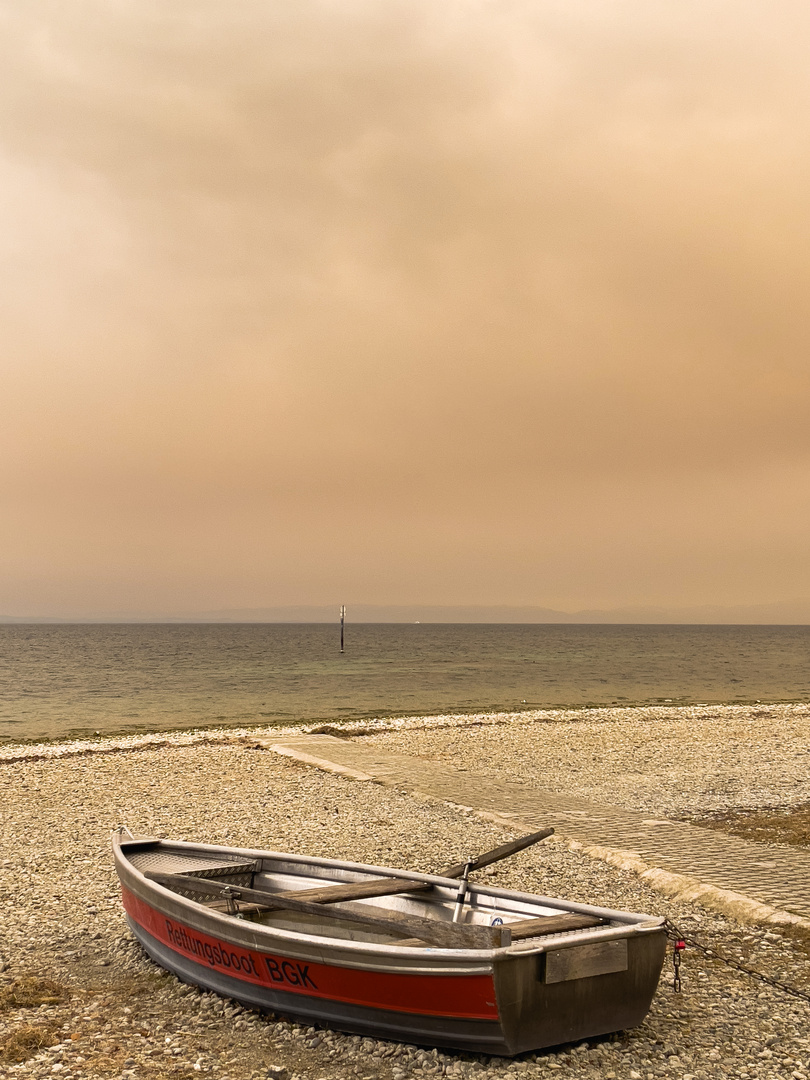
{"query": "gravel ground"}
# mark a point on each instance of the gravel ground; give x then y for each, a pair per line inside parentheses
(682, 762)
(111, 1012)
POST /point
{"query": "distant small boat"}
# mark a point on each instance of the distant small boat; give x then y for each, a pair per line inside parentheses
(433, 960)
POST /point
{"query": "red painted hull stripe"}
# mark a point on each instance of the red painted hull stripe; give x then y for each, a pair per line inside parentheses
(467, 996)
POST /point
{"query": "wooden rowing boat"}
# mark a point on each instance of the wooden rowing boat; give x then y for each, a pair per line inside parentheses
(435, 960)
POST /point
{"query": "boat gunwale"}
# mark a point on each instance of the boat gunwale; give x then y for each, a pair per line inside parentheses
(346, 951)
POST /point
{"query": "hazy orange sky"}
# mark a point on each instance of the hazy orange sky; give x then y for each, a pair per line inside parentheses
(403, 302)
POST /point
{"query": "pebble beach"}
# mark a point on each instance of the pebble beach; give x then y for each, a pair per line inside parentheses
(79, 999)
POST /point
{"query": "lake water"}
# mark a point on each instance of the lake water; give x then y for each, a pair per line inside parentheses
(61, 681)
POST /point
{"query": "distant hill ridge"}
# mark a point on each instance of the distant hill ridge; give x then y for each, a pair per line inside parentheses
(792, 612)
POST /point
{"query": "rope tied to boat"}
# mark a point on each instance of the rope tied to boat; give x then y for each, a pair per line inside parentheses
(680, 941)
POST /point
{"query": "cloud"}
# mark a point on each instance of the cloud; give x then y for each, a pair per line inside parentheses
(465, 283)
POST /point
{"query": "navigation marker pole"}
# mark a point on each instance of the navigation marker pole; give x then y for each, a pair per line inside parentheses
(342, 617)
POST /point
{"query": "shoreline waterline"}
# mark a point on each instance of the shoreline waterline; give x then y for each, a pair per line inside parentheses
(68, 746)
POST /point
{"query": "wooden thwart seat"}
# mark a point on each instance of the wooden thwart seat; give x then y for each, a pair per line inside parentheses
(544, 924)
(552, 924)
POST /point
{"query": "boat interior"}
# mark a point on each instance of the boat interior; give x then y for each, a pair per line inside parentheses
(335, 900)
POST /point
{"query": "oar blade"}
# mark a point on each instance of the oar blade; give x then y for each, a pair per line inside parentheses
(498, 853)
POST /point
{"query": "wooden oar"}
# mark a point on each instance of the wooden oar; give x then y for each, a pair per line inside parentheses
(363, 890)
(433, 931)
(498, 853)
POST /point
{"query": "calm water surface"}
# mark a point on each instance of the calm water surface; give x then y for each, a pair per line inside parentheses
(68, 681)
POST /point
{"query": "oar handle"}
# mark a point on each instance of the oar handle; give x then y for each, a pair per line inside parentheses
(498, 853)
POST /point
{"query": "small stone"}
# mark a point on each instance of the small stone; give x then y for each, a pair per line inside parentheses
(275, 1072)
